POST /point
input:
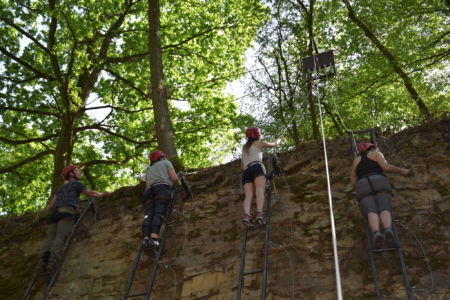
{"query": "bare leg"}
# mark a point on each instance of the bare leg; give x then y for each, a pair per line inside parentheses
(260, 186)
(374, 221)
(386, 218)
(249, 190)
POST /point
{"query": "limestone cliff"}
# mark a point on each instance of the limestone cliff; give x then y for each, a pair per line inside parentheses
(202, 255)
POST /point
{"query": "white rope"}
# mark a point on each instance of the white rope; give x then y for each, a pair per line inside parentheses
(333, 230)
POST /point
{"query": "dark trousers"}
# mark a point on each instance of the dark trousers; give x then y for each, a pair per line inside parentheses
(156, 200)
(60, 225)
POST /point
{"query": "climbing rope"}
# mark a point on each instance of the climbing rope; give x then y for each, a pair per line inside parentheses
(333, 230)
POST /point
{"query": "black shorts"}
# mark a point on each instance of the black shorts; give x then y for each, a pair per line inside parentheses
(252, 172)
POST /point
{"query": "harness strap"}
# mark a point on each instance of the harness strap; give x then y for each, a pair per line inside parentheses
(373, 193)
(253, 163)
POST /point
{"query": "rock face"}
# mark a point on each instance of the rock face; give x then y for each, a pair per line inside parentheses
(202, 255)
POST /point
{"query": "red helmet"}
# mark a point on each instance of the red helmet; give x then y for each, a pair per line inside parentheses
(66, 170)
(155, 155)
(365, 146)
(253, 132)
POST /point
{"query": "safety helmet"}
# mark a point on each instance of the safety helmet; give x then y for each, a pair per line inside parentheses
(155, 155)
(365, 146)
(253, 132)
(65, 172)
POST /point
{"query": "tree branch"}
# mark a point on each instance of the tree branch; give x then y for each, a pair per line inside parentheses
(129, 83)
(25, 161)
(18, 28)
(26, 65)
(36, 112)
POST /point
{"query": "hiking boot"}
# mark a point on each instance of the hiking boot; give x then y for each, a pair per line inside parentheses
(260, 219)
(247, 221)
(42, 268)
(51, 267)
(378, 242)
(390, 241)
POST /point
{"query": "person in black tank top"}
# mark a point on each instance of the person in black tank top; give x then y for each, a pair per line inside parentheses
(373, 192)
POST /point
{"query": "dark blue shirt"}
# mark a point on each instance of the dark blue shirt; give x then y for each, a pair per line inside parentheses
(69, 194)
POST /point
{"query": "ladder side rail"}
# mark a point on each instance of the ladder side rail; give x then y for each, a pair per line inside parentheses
(352, 143)
(242, 265)
(66, 250)
(266, 240)
(402, 261)
(30, 286)
(133, 273)
(163, 240)
(366, 224)
(372, 260)
(372, 136)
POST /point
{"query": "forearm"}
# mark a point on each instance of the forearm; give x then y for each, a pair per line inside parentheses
(93, 194)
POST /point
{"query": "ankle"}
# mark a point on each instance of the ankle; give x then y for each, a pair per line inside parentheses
(375, 232)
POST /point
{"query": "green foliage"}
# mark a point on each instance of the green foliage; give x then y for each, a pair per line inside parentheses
(61, 60)
(403, 51)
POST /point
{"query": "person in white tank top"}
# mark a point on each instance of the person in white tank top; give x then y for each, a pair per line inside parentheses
(254, 175)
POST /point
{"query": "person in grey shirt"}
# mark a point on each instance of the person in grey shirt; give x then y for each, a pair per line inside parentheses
(157, 196)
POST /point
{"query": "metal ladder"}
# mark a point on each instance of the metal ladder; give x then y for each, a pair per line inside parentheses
(89, 203)
(276, 170)
(161, 246)
(366, 227)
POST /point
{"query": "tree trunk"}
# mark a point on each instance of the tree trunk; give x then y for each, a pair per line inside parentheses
(164, 129)
(395, 65)
(312, 110)
(63, 153)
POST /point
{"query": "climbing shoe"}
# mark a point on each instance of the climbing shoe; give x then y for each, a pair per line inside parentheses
(51, 267)
(378, 242)
(247, 221)
(42, 268)
(260, 219)
(390, 241)
(154, 242)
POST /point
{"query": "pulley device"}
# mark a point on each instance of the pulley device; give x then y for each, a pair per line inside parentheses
(366, 227)
(319, 66)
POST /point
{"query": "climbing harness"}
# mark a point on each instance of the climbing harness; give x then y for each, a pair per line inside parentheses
(89, 204)
(374, 192)
(168, 222)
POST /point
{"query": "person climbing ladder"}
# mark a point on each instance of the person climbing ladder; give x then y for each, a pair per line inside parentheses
(64, 205)
(156, 197)
(374, 193)
(254, 175)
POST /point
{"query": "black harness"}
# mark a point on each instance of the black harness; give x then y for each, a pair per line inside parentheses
(373, 193)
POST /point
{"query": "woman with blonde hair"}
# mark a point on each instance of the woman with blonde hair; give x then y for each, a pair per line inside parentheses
(254, 175)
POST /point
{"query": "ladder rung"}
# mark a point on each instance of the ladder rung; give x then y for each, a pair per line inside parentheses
(256, 227)
(138, 294)
(253, 272)
(383, 250)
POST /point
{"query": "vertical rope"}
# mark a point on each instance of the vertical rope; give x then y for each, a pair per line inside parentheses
(333, 230)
